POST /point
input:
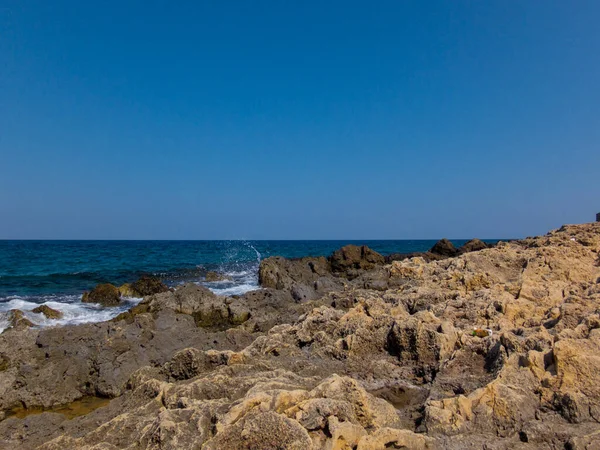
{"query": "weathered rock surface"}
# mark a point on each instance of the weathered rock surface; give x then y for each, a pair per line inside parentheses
(352, 258)
(105, 294)
(387, 359)
(305, 279)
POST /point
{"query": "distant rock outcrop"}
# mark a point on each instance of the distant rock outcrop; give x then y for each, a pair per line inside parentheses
(474, 245)
(444, 247)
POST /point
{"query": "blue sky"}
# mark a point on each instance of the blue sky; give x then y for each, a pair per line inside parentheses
(298, 120)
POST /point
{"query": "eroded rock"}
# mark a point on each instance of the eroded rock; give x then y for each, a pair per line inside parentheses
(105, 294)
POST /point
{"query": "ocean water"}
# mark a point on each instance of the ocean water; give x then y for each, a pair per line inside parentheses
(56, 273)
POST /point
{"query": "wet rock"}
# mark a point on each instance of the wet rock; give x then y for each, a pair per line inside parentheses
(105, 294)
(17, 320)
(48, 312)
(126, 290)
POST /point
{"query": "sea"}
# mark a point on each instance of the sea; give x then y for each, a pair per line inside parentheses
(56, 273)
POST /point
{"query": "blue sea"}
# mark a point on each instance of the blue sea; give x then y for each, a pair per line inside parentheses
(56, 273)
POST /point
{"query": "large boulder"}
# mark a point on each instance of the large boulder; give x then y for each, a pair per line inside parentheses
(444, 247)
(353, 258)
(106, 294)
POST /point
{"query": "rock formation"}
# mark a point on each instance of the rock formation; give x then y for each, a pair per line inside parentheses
(105, 294)
(377, 356)
(48, 312)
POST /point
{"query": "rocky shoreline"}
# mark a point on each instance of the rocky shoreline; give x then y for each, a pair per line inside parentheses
(478, 347)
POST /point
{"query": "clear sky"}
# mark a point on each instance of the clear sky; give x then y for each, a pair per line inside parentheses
(297, 119)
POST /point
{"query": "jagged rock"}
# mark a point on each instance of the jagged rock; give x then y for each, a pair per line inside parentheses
(352, 258)
(106, 294)
(305, 279)
(423, 341)
(445, 248)
(48, 312)
(262, 431)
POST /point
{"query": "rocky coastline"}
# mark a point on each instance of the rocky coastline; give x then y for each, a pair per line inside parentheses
(483, 347)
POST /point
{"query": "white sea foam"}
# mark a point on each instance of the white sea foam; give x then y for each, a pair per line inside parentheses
(73, 310)
(238, 289)
(240, 280)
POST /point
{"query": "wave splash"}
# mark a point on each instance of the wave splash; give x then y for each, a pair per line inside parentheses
(239, 266)
(73, 310)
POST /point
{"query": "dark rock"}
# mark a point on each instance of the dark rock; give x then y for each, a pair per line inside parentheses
(148, 285)
(106, 294)
(355, 257)
(473, 245)
(48, 312)
(444, 247)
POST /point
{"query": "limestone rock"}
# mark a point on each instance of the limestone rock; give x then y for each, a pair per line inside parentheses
(387, 359)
